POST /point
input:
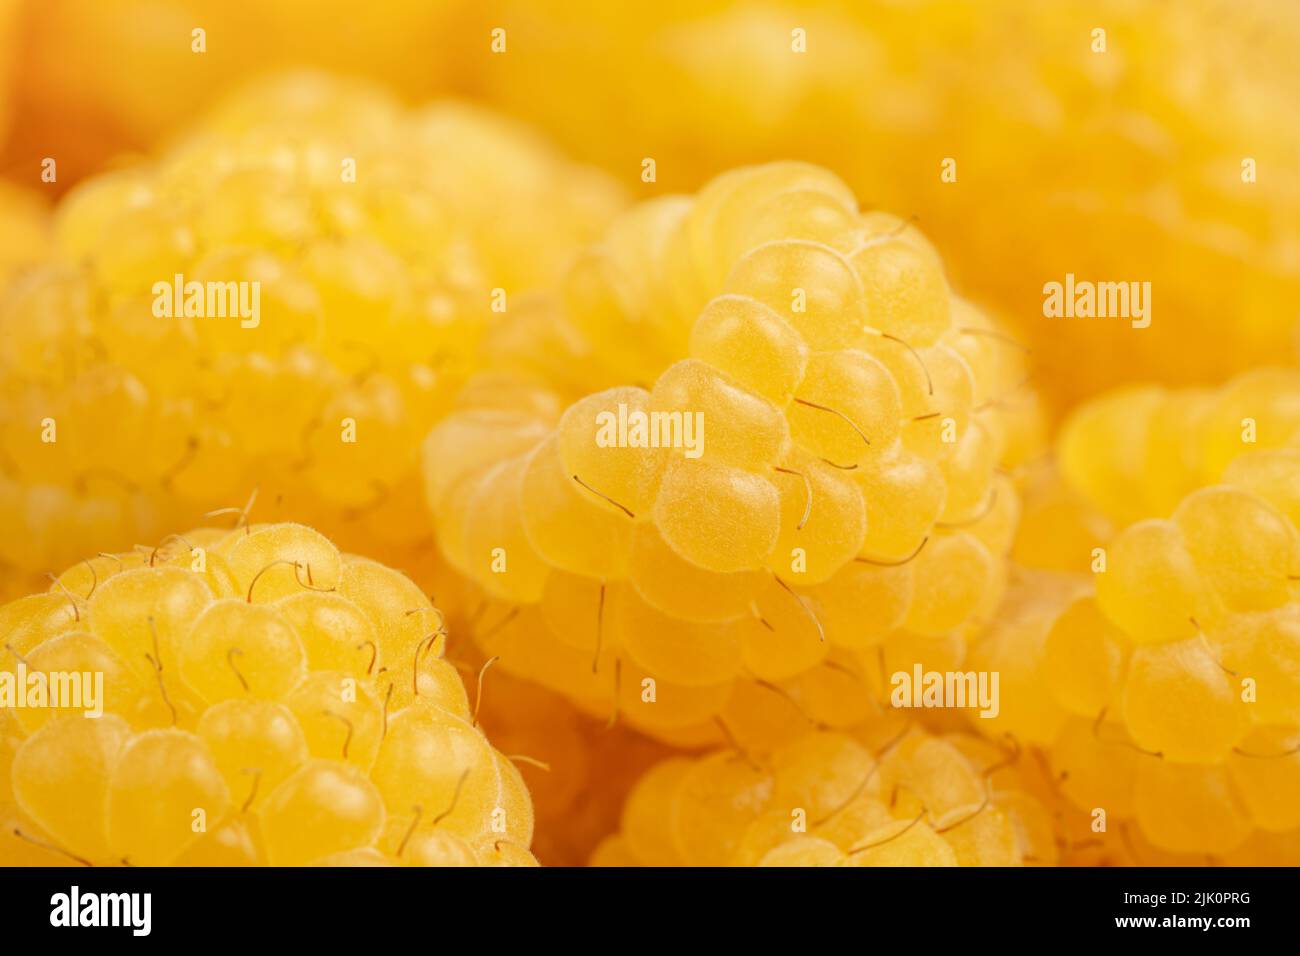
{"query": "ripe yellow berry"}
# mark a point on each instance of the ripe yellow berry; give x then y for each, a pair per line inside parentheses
(1270, 474)
(163, 783)
(497, 542)
(571, 527)
(968, 474)
(360, 306)
(1179, 701)
(905, 495)
(588, 434)
(438, 848)
(820, 773)
(646, 820)
(823, 521)
(1101, 450)
(714, 802)
(938, 389)
(738, 428)
(335, 633)
(232, 844)
(847, 409)
(276, 561)
(80, 653)
(810, 285)
(956, 571)
(1151, 588)
(401, 613)
(65, 767)
(751, 343)
(1266, 399)
(1243, 547)
(861, 604)
(912, 843)
(1084, 658)
(933, 775)
(237, 648)
(986, 838)
(1189, 809)
(237, 744)
(440, 764)
(1264, 649)
(1265, 771)
(1013, 647)
(803, 851)
(503, 853)
(718, 517)
(823, 798)
(146, 612)
(341, 718)
(733, 213)
(691, 654)
(865, 814)
(846, 492)
(667, 581)
(324, 808)
(905, 290)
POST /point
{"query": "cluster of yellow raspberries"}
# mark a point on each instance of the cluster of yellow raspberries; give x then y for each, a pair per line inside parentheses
(812, 474)
(285, 301)
(722, 497)
(245, 697)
